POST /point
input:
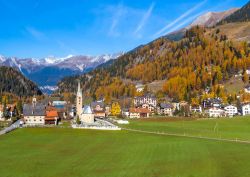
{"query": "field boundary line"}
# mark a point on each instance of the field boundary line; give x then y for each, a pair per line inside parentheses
(188, 136)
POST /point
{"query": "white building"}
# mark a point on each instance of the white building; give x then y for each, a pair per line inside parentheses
(34, 114)
(147, 101)
(87, 116)
(125, 112)
(165, 109)
(216, 112)
(246, 109)
(138, 113)
(231, 110)
(150, 107)
(196, 109)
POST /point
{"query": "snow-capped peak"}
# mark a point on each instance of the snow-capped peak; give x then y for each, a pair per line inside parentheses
(2, 58)
(69, 56)
(104, 58)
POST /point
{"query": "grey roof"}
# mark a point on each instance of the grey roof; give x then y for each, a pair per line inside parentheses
(94, 104)
(213, 100)
(87, 110)
(34, 110)
(166, 105)
(146, 96)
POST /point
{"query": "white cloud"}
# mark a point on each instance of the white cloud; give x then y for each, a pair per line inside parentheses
(118, 12)
(145, 18)
(184, 22)
(184, 15)
(38, 35)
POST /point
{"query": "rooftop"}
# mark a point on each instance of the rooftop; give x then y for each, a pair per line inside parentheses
(87, 110)
(139, 110)
(51, 113)
(34, 110)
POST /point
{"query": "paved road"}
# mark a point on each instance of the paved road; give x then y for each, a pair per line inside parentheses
(189, 136)
(11, 127)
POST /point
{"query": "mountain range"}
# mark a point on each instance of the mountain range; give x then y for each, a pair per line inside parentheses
(46, 72)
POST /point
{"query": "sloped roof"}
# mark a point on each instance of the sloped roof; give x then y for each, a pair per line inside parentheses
(51, 113)
(87, 110)
(146, 96)
(166, 105)
(139, 110)
(94, 104)
(34, 110)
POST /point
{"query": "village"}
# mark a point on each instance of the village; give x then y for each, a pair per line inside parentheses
(98, 115)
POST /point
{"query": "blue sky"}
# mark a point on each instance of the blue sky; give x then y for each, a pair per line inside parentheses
(41, 28)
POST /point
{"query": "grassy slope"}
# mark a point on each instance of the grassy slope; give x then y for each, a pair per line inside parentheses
(156, 85)
(239, 31)
(234, 85)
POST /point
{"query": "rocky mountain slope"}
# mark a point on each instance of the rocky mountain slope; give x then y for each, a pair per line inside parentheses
(208, 19)
(211, 18)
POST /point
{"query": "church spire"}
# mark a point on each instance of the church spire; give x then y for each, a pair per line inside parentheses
(79, 86)
(79, 90)
(79, 100)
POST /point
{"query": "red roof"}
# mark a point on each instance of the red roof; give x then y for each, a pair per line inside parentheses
(139, 110)
(51, 113)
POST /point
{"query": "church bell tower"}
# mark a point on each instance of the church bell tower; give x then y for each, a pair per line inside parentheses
(79, 100)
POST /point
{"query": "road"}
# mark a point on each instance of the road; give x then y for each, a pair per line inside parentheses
(11, 127)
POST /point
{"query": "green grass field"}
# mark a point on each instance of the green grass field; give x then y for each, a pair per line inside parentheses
(64, 152)
(229, 128)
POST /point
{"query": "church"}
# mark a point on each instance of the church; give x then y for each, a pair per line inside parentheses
(85, 113)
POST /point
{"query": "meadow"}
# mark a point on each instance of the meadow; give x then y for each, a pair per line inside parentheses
(228, 128)
(65, 152)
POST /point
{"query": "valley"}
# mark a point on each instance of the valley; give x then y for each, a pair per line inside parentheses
(176, 103)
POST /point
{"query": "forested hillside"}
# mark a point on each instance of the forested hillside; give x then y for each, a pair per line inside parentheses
(12, 81)
(242, 15)
(202, 59)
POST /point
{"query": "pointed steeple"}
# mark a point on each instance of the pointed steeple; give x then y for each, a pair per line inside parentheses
(79, 100)
(79, 90)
